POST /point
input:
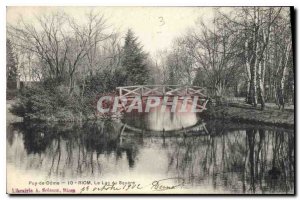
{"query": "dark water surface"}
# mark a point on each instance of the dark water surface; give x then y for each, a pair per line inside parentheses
(218, 157)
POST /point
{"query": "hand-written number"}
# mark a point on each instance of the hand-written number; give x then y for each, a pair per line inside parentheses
(162, 21)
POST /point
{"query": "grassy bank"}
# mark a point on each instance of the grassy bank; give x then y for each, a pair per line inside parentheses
(60, 114)
(249, 114)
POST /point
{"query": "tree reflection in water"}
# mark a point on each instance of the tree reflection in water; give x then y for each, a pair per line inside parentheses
(243, 161)
(237, 158)
(64, 146)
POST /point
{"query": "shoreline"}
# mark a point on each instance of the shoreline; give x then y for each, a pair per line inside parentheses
(252, 115)
(235, 113)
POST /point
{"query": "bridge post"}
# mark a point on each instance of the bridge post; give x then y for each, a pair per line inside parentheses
(120, 91)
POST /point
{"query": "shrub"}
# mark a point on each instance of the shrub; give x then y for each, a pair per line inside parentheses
(50, 100)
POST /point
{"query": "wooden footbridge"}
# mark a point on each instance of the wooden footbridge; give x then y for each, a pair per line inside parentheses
(161, 91)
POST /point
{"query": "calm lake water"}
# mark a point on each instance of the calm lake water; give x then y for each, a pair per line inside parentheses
(211, 157)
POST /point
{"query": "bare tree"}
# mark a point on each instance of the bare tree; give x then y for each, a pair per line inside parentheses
(214, 51)
(61, 44)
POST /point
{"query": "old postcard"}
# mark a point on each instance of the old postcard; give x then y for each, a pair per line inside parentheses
(150, 100)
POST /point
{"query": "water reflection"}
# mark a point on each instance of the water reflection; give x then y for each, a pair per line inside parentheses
(231, 157)
(159, 120)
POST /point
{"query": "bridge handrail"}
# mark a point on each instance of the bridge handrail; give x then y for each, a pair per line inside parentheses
(133, 86)
(166, 90)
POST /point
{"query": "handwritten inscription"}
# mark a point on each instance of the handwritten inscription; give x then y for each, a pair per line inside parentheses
(167, 184)
(156, 185)
(88, 186)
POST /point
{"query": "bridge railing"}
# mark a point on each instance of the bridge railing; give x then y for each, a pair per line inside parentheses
(161, 90)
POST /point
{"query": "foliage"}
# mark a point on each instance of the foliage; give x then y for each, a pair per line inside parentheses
(46, 100)
(134, 61)
(49, 99)
(11, 65)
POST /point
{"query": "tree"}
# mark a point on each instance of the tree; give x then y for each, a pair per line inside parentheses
(63, 47)
(214, 49)
(258, 29)
(174, 69)
(11, 65)
(133, 63)
(264, 22)
(181, 63)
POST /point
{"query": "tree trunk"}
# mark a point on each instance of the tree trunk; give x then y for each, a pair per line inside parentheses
(285, 72)
(248, 97)
(248, 70)
(261, 91)
(253, 84)
(71, 85)
(282, 84)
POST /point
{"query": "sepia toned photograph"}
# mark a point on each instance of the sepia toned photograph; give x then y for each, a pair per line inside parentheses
(150, 100)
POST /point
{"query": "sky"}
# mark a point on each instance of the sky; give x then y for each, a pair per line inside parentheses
(156, 27)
